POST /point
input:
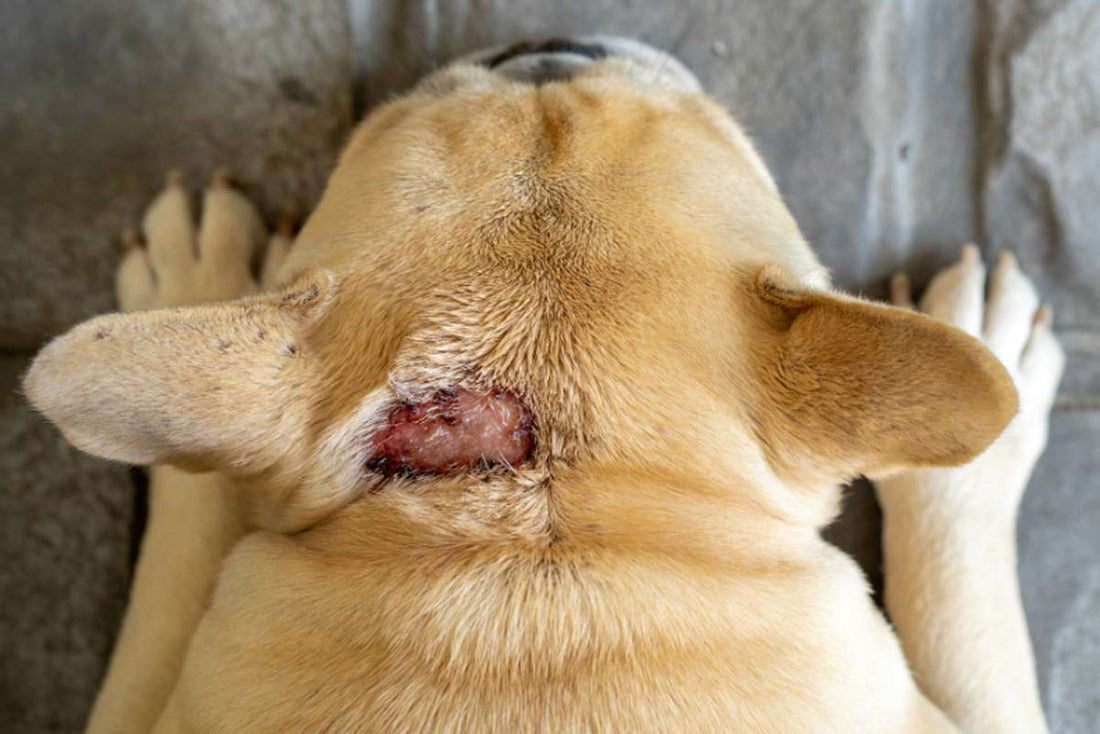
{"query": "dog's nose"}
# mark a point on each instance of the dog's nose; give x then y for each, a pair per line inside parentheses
(560, 59)
(538, 62)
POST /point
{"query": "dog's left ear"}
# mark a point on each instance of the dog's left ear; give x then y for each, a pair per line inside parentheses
(851, 387)
(221, 386)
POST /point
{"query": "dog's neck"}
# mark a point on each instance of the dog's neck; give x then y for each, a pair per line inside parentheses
(465, 583)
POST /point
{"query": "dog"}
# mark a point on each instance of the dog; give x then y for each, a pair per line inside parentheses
(534, 429)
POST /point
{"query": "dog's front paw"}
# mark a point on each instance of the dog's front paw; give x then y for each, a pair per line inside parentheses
(1013, 325)
(177, 263)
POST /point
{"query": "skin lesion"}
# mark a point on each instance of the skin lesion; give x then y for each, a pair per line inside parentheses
(454, 431)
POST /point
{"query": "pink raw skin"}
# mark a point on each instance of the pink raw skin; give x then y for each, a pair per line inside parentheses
(452, 432)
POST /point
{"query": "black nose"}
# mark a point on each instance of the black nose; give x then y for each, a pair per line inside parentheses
(556, 59)
(553, 46)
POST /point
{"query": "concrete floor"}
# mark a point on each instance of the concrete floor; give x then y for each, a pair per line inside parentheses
(896, 130)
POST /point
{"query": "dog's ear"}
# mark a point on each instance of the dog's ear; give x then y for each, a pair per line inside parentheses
(852, 387)
(211, 387)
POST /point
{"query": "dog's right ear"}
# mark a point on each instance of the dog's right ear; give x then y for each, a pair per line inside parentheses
(212, 387)
(852, 387)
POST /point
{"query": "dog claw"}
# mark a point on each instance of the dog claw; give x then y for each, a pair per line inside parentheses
(131, 240)
(286, 224)
(970, 254)
(1044, 317)
(901, 292)
(222, 178)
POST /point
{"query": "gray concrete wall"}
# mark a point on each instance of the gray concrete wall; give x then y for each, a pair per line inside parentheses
(896, 129)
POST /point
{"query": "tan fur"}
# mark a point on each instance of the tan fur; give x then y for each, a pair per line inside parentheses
(616, 253)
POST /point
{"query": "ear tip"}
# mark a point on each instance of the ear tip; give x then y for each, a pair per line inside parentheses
(1006, 396)
(40, 378)
(48, 390)
(54, 376)
(31, 385)
(993, 403)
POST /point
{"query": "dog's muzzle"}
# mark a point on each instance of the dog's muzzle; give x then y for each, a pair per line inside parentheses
(560, 59)
(545, 61)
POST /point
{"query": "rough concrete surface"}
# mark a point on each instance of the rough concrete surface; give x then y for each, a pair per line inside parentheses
(65, 526)
(1059, 556)
(896, 130)
(102, 97)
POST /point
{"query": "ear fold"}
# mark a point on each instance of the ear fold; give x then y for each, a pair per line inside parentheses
(854, 387)
(212, 387)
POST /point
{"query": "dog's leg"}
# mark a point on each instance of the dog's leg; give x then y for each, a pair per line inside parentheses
(949, 534)
(193, 522)
(194, 518)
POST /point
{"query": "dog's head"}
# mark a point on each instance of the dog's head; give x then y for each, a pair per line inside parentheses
(550, 279)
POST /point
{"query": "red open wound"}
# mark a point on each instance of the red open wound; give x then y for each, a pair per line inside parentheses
(454, 431)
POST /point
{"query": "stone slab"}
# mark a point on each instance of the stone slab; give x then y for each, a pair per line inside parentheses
(100, 98)
(65, 546)
(1059, 557)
